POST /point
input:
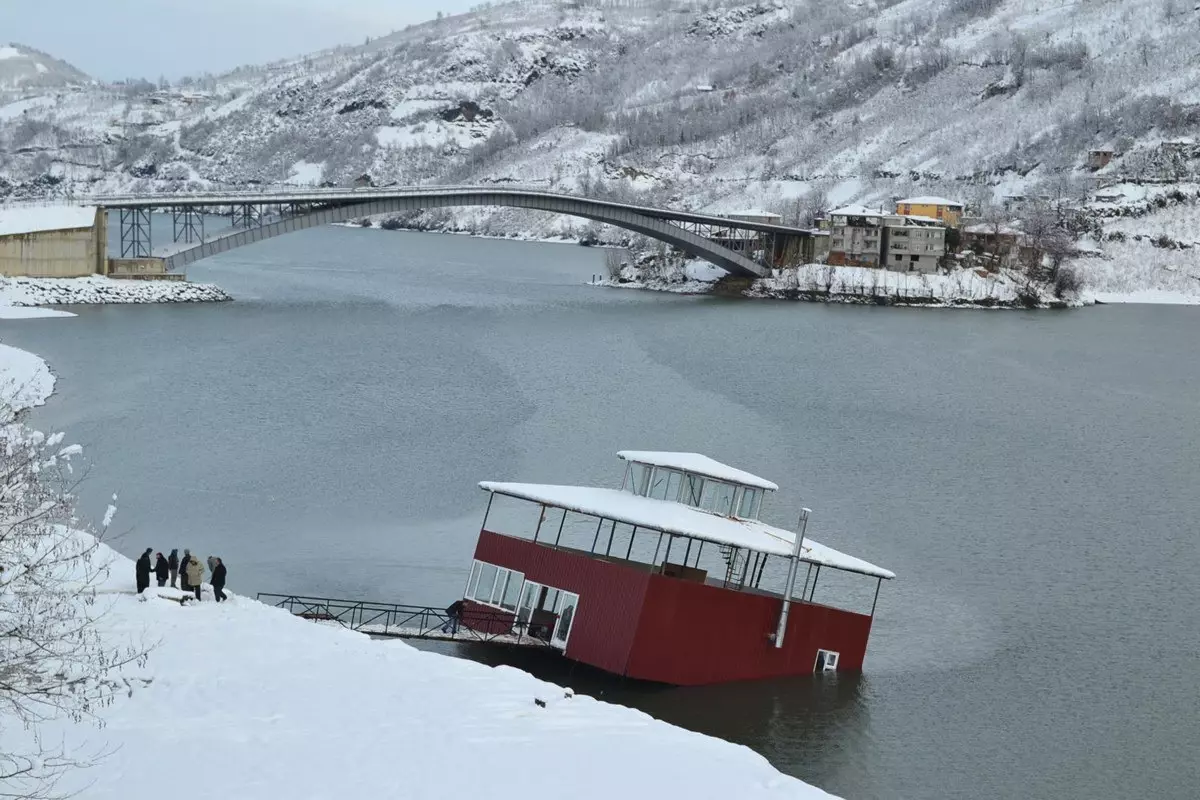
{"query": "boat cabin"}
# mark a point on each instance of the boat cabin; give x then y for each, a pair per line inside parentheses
(672, 578)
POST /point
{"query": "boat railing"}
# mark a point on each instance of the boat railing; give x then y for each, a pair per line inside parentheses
(410, 621)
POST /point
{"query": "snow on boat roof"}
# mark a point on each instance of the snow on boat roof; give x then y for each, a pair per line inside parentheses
(670, 517)
(929, 200)
(698, 464)
(32, 219)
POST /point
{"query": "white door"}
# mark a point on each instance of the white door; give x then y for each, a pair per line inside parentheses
(565, 609)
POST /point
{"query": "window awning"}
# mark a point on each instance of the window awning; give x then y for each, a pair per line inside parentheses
(676, 518)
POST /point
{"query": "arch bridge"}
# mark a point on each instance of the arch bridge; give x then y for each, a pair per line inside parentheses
(743, 248)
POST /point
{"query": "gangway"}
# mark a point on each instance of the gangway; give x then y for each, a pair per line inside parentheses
(412, 622)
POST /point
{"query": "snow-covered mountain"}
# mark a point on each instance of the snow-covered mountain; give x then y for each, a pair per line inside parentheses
(717, 106)
(23, 69)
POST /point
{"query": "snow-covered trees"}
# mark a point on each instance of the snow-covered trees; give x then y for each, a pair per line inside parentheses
(53, 661)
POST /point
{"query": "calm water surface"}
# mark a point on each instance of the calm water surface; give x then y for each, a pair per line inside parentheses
(1033, 479)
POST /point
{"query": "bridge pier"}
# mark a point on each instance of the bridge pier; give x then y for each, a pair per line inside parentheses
(245, 215)
(135, 233)
(187, 223)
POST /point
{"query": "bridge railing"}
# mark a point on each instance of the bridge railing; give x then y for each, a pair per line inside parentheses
(411, 621)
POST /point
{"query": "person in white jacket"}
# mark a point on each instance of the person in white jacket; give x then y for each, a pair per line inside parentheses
(195, 574)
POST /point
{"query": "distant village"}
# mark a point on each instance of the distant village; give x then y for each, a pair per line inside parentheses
(919, 234)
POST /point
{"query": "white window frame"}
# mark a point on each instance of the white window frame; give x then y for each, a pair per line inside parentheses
(826, 660)
(499, 583)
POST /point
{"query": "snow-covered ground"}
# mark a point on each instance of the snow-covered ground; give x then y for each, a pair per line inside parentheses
(275, 706)
(843, 284)
(97, 289)
(253, 702)
(25, 381)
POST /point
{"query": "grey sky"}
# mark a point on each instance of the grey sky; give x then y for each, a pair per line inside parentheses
(148, 38)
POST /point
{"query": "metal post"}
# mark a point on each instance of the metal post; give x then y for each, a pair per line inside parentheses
(561, 522)
(761, 566)
(612, 531)
(745, 569)
(541, 518)
(687, 553)
(813, 592)
(667, 556)
(807, 575)
(791, 579)
(655, 557)
(491, 497)
(629, 552)
(878, 583)
(699, 550)
(596, 538)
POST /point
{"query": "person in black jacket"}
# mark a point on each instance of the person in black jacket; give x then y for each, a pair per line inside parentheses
(183, 562)
(218, 579)
(454, 611)
(173, 565)
(161, 570)
(142, 570)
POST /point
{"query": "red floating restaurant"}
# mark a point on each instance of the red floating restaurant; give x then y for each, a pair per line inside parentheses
(672, 578)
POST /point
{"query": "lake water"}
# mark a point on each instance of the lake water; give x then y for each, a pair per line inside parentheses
(1033, 479)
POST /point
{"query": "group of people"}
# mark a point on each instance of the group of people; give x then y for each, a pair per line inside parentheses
(188, 572)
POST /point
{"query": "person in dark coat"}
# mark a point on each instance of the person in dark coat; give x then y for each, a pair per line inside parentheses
(142, 569)
(218, 579)
(173, 565)
(183, 564)
(454, 611)
(161, 570)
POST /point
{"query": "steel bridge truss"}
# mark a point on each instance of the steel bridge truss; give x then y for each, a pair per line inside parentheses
(187, 224)
(135, 233)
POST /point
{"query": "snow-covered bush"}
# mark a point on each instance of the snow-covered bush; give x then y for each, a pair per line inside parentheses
(53, 662)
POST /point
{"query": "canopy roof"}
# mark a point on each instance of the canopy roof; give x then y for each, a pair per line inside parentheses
(697, 464)
(676, 518)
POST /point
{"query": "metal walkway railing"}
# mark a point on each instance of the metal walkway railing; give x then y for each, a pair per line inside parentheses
(412, 622)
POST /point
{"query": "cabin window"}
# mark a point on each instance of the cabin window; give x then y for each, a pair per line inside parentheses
(658, 484)
(639, 478)
(717, 497)
(512, 590)
(474, 581)
(674, 479)
(495, 586)
(487, 581)
(692, 489)
(749, 500)
(827, 661)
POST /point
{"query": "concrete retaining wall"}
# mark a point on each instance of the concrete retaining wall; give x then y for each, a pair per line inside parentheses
(53, 254)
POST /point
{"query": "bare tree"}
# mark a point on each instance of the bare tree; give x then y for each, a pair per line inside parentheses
(54, 662)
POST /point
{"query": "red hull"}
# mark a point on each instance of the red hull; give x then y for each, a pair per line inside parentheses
(634, 622)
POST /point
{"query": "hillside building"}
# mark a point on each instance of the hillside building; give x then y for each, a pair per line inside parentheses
(1099, 158)
(52, 241)
(865, 237)
(947, 212)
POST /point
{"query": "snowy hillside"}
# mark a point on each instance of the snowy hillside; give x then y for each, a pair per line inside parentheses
(23, 69)
(717, 106)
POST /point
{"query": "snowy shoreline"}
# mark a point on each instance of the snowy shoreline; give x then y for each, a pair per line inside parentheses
(260, 686)
(98, 290)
